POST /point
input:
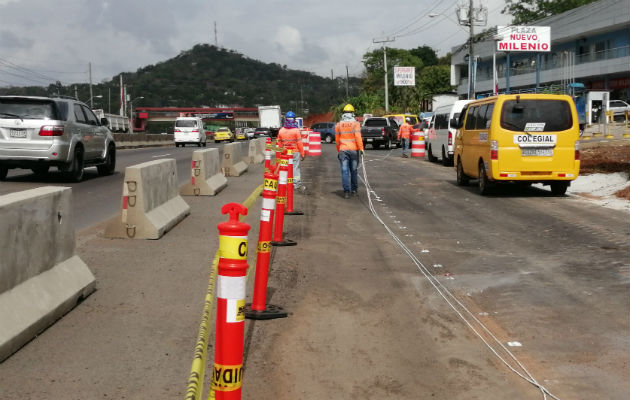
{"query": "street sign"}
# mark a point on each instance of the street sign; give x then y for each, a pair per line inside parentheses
(524, 38)
(404, 76)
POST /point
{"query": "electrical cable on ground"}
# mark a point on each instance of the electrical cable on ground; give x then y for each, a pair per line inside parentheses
(446, 294)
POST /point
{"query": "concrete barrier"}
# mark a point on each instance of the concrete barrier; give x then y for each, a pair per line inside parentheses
(133, 140)
(151, 204)
(206, 178)
(233, 164)
(41, 278)
(255, 152)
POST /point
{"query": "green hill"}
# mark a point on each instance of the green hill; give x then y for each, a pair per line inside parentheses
(209, 76)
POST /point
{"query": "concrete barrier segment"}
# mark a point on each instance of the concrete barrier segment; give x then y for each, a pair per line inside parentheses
(41, 278)
(233, 164)
(206, 178)
(151, 202)
(255, 152)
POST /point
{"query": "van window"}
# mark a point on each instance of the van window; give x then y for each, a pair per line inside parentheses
(548, 115)
(480, 117)
(489, 112)
(471, 119)
(441, 121)
(186, 123)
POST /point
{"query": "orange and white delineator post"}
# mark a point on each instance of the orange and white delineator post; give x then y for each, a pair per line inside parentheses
(280, 203)
(258, 309)
(289, 204)
(268, 155)
(227, 375)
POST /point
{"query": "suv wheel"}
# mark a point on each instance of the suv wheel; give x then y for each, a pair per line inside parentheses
(388, 144)
(109, 166)
(75, 172)
(3, 172)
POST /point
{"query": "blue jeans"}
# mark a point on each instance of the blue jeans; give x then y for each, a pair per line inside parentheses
(349, 160)
(405, 146)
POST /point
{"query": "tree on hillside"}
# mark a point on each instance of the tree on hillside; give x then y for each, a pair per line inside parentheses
(426, 54)
(526, 11)
(435, 79)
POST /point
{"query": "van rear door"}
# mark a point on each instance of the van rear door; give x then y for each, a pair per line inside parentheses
(536, 137)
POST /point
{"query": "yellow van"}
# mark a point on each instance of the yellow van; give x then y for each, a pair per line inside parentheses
(529, 138)
(400, 118)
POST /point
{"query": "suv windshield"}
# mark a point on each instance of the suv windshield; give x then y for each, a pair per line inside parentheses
(536, 115)
(376, 122)
(28, 108)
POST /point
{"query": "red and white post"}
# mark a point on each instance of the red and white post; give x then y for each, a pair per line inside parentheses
(259, 309)
(280, 203)
(289, 206)
(227, 375)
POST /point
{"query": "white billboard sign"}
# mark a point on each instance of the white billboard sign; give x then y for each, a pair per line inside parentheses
(524, 38)
(404, 76)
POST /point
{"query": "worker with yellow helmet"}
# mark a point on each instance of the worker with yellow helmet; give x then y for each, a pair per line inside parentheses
(349, 147)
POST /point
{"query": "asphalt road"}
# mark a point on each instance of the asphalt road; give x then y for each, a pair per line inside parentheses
(545, 278)
(97, 198)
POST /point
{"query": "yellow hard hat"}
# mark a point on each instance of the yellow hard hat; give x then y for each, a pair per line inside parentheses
(348, 108)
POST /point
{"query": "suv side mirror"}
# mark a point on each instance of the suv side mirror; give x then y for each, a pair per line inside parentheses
(104, 122)
(454, 124)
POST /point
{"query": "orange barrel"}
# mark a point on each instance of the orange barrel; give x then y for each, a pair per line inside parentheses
(417, 144)
(314, 144)
(304, 133)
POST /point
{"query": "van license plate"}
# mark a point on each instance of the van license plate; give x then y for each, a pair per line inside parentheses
(17, 133)
(527, 152)
(369, 140)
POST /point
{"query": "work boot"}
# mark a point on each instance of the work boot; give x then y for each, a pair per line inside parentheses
(346, 195)
(354, 193)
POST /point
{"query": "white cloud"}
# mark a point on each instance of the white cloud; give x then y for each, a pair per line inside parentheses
(289, 39)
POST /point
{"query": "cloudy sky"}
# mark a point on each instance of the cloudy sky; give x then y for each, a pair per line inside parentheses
(42, 41)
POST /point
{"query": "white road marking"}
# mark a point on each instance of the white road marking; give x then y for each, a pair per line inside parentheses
(161, 155)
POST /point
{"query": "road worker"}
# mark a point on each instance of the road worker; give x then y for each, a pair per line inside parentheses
(350, 148)
(289, 137)
(404, 133)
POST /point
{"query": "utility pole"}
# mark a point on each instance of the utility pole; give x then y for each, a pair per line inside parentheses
(90, 68)
(386, 40)
(216, 40)
(347, 81)
(471, 17)
(76, 92)
(331, 74)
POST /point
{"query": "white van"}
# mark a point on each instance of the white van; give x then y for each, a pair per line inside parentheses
(439, 141)
(189, 130)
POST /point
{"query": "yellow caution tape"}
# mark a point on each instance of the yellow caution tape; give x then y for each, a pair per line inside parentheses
(264, 247)
(227, 378)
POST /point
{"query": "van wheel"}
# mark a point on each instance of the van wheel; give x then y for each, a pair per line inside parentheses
(484, 185)
(445, 160)
(462, 178)
(559, 188)
(430, 155)
(328, 138)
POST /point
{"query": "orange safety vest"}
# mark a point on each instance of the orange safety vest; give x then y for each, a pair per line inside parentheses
(290, 138)
(405, 131)
(348, 136)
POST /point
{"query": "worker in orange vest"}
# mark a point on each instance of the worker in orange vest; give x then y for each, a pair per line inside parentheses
(349, 149)
(404, 133)
(289, 137)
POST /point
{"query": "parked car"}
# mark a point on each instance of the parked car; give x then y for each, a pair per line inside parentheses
(41, 132)
(249, 132)
(258, 132)
(619, 108)
(189, 130)
(326, 130)
(379, 131)
(223, 134)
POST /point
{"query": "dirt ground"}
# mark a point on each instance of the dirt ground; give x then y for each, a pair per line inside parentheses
(606, 157)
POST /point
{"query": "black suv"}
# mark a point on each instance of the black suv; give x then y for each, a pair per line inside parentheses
(39, 132)
(262, 132)
(326, 129)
